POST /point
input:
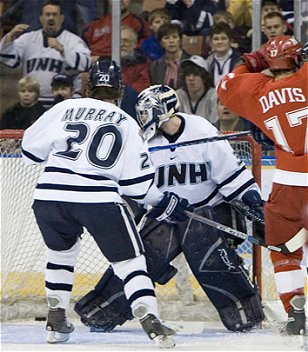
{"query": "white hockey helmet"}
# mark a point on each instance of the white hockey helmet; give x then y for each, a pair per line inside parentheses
(154, 106)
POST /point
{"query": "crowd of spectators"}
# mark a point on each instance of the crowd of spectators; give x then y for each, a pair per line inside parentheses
(55, 42)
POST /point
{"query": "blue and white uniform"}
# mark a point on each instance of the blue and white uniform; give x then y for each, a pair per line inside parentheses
(42, 62)
(204, 174)
(92, 153)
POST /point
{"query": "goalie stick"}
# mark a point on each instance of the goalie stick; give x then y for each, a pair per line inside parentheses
(294, 243)
(229, 136)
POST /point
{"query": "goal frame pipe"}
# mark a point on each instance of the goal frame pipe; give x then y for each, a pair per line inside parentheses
(11, 134)
(256, 171)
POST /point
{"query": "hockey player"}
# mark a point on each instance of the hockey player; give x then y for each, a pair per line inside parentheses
(277, 104)
(210, 177)
(93, 154)
(45, 52)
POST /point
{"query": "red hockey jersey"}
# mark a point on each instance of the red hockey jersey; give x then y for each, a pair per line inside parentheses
(279, 108)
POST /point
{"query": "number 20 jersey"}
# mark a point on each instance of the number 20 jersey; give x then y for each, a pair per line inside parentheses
(280, 109)
(92, 152)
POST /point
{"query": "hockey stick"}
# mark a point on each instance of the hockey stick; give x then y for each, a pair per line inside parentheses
(290, 246)
(229, 136)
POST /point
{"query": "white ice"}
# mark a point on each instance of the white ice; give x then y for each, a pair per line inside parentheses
(31, 336)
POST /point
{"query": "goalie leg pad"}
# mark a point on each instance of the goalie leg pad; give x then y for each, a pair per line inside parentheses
(242, 315)
(219, 271)
(106, 306)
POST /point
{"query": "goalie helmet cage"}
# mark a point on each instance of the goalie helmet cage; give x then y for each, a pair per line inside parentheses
(23, 249)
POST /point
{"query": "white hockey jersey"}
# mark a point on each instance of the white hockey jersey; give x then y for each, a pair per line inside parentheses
(92, 152)
(42, 63)
(204, 174)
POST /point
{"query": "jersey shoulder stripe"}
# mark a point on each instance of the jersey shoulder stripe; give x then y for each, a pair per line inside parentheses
(136, 180)
(76, 188)
(232, 177)
(240, 190)
(31, 156)
(207, 200)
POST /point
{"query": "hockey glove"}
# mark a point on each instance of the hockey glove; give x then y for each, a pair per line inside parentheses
(253, 199)
(255, 61)
(251, 206)
(170, 209)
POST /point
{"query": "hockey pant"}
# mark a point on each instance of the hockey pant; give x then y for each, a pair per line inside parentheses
(214, 263)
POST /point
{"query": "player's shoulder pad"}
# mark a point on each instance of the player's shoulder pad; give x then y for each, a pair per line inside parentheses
(225, 80)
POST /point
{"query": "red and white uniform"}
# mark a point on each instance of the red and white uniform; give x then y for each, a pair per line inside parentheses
(279, 108)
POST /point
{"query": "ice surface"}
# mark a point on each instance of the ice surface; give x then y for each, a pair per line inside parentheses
(31, 336)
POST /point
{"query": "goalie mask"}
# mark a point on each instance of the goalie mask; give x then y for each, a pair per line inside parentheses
(154, 106)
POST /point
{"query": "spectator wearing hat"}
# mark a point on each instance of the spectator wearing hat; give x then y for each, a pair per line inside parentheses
(197, 94)
(62, 87)
(27, 110)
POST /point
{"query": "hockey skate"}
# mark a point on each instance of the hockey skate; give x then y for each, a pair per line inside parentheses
(296, 324)
(158, 332)
(58, 327)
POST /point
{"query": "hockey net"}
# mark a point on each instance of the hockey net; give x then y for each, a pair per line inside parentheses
(23, 250)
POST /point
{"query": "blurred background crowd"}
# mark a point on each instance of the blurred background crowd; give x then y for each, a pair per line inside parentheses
(47, 47)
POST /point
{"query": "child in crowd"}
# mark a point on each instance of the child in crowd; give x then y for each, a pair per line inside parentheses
(27, 110)
(62, 87)
(241, 39)
(151, 47)
(223, 58)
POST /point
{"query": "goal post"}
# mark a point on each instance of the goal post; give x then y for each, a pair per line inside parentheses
(23, 249)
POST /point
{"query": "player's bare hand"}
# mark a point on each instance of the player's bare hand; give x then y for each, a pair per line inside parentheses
(16, 32)
(55, 44)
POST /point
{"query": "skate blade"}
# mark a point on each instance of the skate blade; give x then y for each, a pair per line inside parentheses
(57, 337)
(164, 341)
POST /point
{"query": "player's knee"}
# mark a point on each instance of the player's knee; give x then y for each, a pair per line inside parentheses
(124, 268)
(66, 257)
(58, 243)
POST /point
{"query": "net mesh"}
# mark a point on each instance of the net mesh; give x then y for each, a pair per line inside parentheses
(23, 250)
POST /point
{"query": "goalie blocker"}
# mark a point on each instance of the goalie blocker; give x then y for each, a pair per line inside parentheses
(211, 258)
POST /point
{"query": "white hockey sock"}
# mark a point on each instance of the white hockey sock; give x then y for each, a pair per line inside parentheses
(59, 275)
(138, 287)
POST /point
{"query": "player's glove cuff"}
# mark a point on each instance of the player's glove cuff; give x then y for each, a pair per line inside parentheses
(253, 199)
(254, 61)
(171, 209)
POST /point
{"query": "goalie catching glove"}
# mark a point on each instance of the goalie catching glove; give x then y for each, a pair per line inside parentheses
(171, 209)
